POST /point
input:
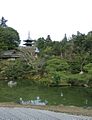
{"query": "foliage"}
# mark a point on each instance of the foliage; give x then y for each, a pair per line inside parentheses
(16, 70)
(56, 64)
(59, 62)
(70, 56)
(9, 38)
(56, 78)
(77, 80)
(88, 68)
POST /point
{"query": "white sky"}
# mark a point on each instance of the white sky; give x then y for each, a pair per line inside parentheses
(47, 17)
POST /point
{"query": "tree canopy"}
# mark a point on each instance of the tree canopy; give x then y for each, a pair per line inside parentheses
(59, 62)
(9, 38)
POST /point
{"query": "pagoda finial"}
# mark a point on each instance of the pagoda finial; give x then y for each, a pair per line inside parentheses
(29, 35)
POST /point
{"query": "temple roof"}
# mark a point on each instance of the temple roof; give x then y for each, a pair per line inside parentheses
(28, 40)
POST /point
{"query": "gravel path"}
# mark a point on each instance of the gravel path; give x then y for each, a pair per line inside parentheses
(33, 114)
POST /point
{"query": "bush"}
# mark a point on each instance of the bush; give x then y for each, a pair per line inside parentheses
(78, 80)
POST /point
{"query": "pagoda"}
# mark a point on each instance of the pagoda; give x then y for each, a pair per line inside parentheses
(29, 42)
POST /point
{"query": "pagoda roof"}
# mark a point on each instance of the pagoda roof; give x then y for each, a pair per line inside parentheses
(27, 44)
(28, 40)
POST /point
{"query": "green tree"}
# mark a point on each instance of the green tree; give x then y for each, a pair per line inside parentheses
(9, 38)
(48, 39)
(56, 64)
(56, 48)
(17, 70)
(56, 78)
(88, 68)
(40, 43)
(88, 42)
(64, 46)
(64, 39)
(80, 51)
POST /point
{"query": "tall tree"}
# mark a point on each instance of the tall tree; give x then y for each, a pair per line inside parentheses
(79, 48)
(63, 46)
(48, 39)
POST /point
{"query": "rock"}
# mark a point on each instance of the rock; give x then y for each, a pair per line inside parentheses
(85, 85)
(81, 72)
(12, 83)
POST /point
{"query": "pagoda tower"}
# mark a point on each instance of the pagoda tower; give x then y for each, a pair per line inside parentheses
(29, 42)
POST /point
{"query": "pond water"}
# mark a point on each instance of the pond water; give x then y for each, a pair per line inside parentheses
(74, 96)
(77, 96)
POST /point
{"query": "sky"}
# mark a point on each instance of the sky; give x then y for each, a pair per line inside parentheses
(47, 17)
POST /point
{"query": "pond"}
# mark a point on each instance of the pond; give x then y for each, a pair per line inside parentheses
(74, 96)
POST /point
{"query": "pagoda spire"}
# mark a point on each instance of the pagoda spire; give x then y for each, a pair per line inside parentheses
(29, 35)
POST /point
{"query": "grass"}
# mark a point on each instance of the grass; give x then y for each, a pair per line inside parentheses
(75, 96)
